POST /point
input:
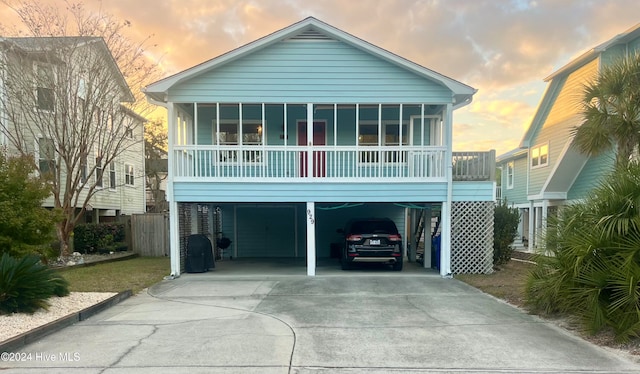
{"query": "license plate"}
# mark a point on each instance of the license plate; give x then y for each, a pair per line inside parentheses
(374, 241)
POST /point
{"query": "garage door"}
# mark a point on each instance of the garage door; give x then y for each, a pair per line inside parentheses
(266, 231)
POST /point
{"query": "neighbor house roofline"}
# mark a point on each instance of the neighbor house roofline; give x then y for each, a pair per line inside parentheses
(589, 55)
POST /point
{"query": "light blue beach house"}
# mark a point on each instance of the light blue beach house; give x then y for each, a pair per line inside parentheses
(278, 143)
(547, 171)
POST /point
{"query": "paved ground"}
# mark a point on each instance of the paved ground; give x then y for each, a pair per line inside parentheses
(370, 320)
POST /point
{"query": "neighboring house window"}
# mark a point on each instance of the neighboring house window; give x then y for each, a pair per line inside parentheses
(510, 169)
(46, 155)
(128, 174)
(45, 94)
(99, 171)
(112, 176)
(540, 156)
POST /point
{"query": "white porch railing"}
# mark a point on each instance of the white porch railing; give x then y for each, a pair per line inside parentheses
(352, 163)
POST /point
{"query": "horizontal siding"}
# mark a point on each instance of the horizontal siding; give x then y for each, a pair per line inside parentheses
(473, 191)
(302, 192)
(562, 118)
(330, 192)
(327, 71)
(517, 194)
(596, 169)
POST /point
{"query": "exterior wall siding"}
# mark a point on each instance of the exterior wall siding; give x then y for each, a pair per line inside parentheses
(596, 169)
(517, 194)
(304, 71)
(562, 117)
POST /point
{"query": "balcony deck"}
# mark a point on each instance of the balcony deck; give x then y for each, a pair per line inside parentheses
(401, 164)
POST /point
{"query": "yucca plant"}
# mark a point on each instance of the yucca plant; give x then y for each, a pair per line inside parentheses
(26, 284)
(591, 264)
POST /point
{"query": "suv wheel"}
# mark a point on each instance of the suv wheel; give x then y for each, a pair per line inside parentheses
(397, 266)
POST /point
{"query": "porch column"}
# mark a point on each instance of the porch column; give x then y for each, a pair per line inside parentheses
(412, 241)
(426, 257)
(545, 215)
(445, 235)
(521, 225)
(174, 232)
(531, 226)
(311, 238)
(174, 239)
(310, 170)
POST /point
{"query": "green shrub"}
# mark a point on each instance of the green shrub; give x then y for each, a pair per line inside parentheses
(505, 229)
(92, 237)
(590, 267)
(26, 284)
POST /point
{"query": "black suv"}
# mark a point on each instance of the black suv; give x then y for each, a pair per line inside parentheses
(371, 240)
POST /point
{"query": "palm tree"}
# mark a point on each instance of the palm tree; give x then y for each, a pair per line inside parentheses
(611, 110)
(591, 267)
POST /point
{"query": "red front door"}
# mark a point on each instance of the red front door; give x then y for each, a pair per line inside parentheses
(319, 157)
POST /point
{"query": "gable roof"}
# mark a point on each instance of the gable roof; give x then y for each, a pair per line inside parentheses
(311, 28)
(554, 79)
(589, 55)
(47, 44)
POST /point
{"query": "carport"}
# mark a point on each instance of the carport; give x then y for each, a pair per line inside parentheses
(277, 233)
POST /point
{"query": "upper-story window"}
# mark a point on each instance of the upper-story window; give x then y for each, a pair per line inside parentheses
(112, 175)
(540, 156)
(128, 175)
(45, 84)
(510, 174)
(229, 133)
(46, 155)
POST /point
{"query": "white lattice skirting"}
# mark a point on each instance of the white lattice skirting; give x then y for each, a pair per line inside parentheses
(472, 237)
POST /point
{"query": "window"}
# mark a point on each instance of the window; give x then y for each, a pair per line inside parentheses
(540, 156)
(128, 174)
(368, 136)
(510, 169)
(45, 95)
(112, 176)
(99, 171)
(46, 155)
(228, 135)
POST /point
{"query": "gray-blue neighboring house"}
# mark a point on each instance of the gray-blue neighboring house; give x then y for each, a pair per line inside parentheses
(547, 171)
(278, 143)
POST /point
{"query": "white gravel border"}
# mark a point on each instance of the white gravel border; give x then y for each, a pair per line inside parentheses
(15, 324)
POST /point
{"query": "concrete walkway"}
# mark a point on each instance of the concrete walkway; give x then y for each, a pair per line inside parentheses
(366, 321)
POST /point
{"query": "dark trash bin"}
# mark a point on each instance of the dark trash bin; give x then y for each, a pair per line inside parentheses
(199, 254)
(435, 252)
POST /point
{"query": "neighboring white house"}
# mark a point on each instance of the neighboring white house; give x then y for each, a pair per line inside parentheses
(75, 85)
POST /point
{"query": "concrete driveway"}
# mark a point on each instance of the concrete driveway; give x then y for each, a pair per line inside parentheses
(373, 321)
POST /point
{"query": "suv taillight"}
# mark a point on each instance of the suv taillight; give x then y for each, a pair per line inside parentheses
(395, 238)
(354, 238)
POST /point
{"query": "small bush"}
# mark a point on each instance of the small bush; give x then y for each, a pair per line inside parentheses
(505, 229)
(92, 237)
(26, 284)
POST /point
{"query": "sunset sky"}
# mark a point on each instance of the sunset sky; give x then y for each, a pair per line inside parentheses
(502, 48)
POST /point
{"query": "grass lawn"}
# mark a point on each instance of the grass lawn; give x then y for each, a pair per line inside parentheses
(507, 282)
(135, 274)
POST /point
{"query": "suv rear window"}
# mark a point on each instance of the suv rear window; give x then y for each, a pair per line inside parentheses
(373, 227)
